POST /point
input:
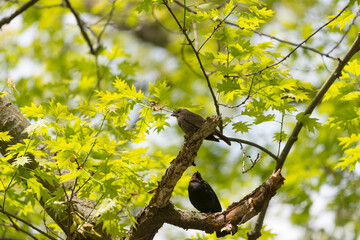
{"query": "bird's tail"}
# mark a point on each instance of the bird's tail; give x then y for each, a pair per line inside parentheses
(222, 137)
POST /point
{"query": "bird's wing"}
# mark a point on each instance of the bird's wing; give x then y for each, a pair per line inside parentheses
(194, 119)
(211, 192)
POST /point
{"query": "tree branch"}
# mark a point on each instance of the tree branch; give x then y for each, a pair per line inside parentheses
(294, 44)
(355, 47)
(264, 34)
(160, 209)
(216, 28)
(82, 29)
(6, 20)
(289, 54)
(190, 42)
(237, 213)
(25, 222)
(146, 227)
(255, 145)
(255, 233)
(347, 31)
(227, 221)
(17, 228)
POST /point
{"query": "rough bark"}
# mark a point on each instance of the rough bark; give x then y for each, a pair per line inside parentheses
(13, 121)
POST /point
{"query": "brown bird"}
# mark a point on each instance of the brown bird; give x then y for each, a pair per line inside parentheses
(190, 122)
(203, 197)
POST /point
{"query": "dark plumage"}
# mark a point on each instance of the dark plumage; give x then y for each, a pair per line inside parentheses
(203, 197)
(190, 122)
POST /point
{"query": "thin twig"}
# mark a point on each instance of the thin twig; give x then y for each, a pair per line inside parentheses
(6, 20)
(263, 34)
(344, 35)
(49, 229)
(81, 26)
(237, 105)
(110, 14)
(186, 62)
(281, 131)
(186, 7)
(289, 54)
(317, 99)
(10, 215)
(246, 98)
(17, 228)
(238, 140)
(190, 42)
(8, 187)
(82, 185)
(87, 217)
(355, 47)
(291, 43)
(217, 26)
(257, 159)
(196, 41)
(256, 231)
(96, 134)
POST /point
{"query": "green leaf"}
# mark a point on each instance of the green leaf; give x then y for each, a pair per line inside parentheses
(88, 110)
(309, 123)
(33, 111)
(5, 137)
(280, 136)
(228, 7)
(347, 141)
(59, 111)
(159, 90)
(353, 67)
(352, 156)
(241, 126)
(160, 122)
(344, 18)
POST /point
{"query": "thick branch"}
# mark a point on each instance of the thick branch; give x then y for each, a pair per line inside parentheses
(316, 101)
(236, 214)
(6, 20)
(147, 226)
(227, 221)
(255, 233)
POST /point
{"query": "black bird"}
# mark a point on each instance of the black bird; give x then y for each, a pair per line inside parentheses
(190, 122)
(203, 197)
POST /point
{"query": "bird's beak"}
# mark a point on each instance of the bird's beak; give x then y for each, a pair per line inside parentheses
(173, 114)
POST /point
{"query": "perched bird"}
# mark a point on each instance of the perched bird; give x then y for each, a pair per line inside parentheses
(190, 122)
(203, 197)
